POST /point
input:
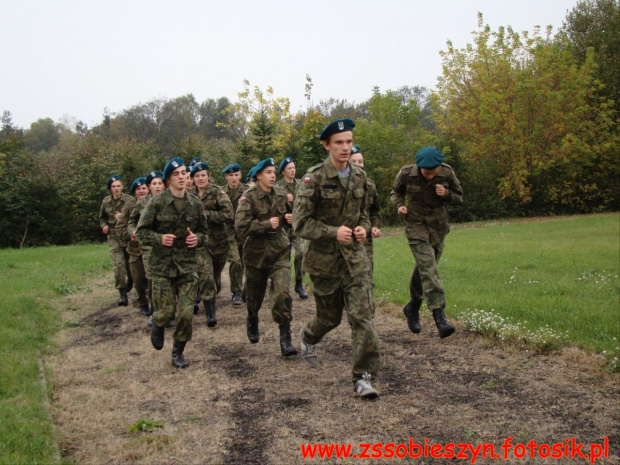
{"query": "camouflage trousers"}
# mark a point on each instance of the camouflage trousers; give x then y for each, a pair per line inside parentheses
(425, 283)
(219, 262)
(256, 280)
(332, 295)
(235, 269)
(166, 292)
(145, 262)
(371, 276)
(298, 245)
(206, 281)
(140, 282)
(120, 258)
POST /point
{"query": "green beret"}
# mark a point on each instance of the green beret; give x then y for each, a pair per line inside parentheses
(340, 125)
(283, 163)
(172, 165)
(428, 158)
(137, 183)
(232, 168)
(152, 175)
(356, 149)
(111, 179)
(200, 166)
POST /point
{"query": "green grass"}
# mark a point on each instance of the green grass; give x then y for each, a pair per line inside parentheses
(561, 273)
(29, 278)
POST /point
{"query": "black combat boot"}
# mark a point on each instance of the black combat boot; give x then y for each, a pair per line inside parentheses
(286, 346)
(412, 312)
(144, 310)
(122, 302)
(197, 306)
(178, 360)
(299, 288)
(157, 336)
(210, 309)
(252, 324)
(443, 325)
(236, 299)
(129, 283)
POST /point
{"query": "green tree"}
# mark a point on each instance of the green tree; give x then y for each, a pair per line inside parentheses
(43, 135)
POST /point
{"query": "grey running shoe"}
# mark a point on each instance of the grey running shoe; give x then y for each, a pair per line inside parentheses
(308, 351)
(364, 389)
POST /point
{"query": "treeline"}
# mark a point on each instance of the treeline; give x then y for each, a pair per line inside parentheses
(529, 122)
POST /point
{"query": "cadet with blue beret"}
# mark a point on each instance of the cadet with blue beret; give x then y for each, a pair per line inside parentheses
(288, 182)
(420, 193)
(234, 188)
(111, 208)
(331, 212)
(173, 223)
(262, 213)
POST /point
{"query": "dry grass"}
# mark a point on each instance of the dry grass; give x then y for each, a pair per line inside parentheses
(241, 403)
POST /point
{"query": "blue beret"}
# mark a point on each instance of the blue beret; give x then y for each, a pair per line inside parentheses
(152, 175)
(285, 162)
(194, 161)
(356, 149)
(232, 168)
(172, 165)
(261, 165)
(200, 166)
(114, 177)
(251, 174)
(428, 158)
(137, 183)
(340, 125)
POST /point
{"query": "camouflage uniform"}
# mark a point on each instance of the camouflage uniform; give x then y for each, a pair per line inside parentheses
(426, 226)
(135, 254)
(173, 269)
(339, 271)
(266, 252)
(374, 211)
(297, 243)
(118, 251)
(220, 217)
(236, 250)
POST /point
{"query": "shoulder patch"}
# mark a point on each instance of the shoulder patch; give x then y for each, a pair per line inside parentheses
(306, 178)
(314, 168)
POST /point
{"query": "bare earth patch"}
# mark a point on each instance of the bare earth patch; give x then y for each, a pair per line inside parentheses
(241, 403)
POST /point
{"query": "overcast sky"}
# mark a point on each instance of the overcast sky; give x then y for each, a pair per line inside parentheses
(74, 58)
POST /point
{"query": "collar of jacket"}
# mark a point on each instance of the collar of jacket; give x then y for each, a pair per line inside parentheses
(169, 198)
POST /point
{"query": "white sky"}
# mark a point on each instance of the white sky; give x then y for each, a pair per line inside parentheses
(73, 58)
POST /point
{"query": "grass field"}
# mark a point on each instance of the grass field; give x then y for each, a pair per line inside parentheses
(561, 273)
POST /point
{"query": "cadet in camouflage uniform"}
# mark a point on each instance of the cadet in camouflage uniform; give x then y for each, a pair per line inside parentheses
(290, 185)
(111, 208)
(155, 183)
(140, 190)
(220, 217)
(262, 213)
(173, 224)
(234, 189)
(331, 212)
(420, 192)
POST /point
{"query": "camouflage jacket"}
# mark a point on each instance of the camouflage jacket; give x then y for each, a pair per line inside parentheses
(374, 207)
(133, 248)
(263, 246)
(134, 218)
(160, 217)
(323, 205)
(220, 217)
(106, 213)
(427, 218)
(290, 189)
(234, 195)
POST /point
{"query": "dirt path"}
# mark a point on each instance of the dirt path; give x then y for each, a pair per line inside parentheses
(239, 403)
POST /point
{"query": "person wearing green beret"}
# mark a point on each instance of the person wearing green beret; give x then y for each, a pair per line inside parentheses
(420, 193)
(331, 212)
(111, 208)
(234, 188)
(220, 218)
(288, 182)
(140, 190)
(263, 211)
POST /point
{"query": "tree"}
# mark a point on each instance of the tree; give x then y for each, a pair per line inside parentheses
(43, 135)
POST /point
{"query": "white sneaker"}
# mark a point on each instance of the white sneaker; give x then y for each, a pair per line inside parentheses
(364, 389)
(308, 351)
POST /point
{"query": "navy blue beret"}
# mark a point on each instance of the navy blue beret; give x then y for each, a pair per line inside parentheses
(261, 165)
(194, 161)
(137, 183)
(356, 149)
(200, 166)
(232, 168)
(152, 175)
(340, 125)
(285, 162)
(428, 158)
(114, 177)
(172, 165)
